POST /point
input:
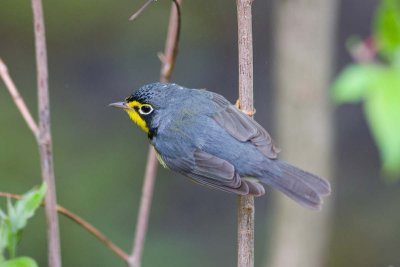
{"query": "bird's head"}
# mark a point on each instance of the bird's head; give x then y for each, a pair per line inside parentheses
(147, 104)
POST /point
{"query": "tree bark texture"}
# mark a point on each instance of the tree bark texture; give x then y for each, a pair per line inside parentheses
(304, 42)
(245, 203)
(44, 136)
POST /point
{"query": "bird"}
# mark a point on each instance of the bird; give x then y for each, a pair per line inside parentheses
(201, 135)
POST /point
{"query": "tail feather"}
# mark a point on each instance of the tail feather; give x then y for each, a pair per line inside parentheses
(303, 187)
(318, 184)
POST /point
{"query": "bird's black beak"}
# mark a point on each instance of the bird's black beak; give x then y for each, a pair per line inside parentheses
(122, 105)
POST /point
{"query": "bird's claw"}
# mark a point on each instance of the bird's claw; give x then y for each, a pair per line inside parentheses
(247, 112)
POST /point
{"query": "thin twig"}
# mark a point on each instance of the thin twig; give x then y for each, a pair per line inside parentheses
(18, 100)
(95, 232)
(167, 65)
(44, 136)
(144, 209)
(168, 59)
(84, 224)
(245, 203)
(140, 11)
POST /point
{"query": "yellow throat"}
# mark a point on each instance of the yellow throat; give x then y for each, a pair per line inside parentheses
(135, 116)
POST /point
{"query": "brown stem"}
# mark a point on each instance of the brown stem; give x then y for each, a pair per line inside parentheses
(144, 209)
(95, 232)
(245, 203)
(167, 65)
(168, 59)
(44, 136)
(84, 224)
(18, 100)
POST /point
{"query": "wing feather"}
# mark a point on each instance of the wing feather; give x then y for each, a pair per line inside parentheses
(209, 170)
(241, 127)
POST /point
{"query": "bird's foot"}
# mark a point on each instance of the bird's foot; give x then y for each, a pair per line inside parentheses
(248, 113)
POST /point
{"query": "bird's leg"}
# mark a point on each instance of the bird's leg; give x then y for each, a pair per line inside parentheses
(237, 104)
(248, 113)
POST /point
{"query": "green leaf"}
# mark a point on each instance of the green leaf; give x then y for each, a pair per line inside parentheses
(11, 234)
(355, 81)
(3, 236)
(19, 214)
(27, 205)
(19, 262)
(387, 28)
(12, 240)
(382, 109)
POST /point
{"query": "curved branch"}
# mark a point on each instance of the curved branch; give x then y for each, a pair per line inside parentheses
(168, 59)
(84, 224)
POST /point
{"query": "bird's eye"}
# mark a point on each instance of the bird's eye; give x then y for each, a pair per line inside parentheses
(145, 109)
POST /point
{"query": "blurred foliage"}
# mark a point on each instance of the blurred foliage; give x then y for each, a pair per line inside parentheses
(96, 56)
(377, 84)
(13, 223)
(387, 29)
(19, 262)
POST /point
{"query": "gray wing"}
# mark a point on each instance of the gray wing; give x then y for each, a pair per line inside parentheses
(209, 170)
(241, 127)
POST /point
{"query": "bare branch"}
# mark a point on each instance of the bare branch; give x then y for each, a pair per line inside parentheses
(44, 136)
(84, 224)
(167, 66)
(18, 100)
(95, 232)
(245, 203)
(144, 209)
(140, 11)
(246, 211)
(171, 43)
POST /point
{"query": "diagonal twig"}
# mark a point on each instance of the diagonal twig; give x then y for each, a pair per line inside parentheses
(140, 11)
(167, 65)
(84, 224)
(44, 136)
(17, 98)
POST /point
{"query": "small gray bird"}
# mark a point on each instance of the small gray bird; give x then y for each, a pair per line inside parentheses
(201, 135)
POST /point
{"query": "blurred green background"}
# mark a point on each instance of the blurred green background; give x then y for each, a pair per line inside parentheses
(96, 56)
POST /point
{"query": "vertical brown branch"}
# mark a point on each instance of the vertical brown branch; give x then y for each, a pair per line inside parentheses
(245, 203)
(168, 59)
(167, 65)
(44, 136)
(144, 209)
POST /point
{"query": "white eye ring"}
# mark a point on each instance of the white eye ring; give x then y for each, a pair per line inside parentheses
(146, 109)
